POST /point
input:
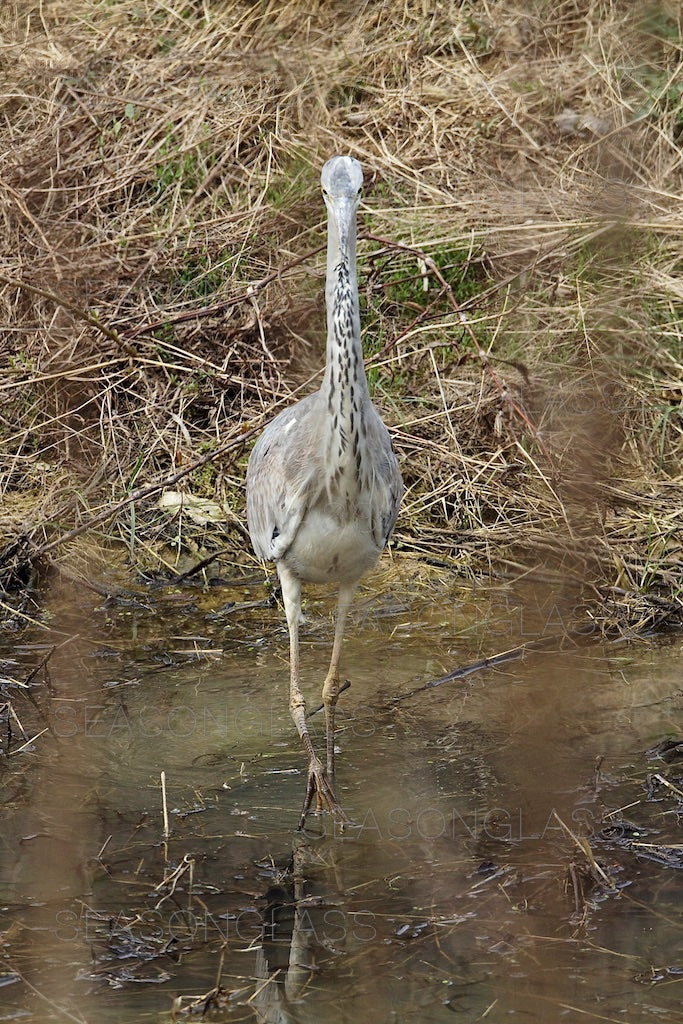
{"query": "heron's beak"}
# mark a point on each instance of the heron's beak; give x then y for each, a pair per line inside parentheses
(344, 214)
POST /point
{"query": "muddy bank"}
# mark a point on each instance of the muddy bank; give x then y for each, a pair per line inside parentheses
(161, 278)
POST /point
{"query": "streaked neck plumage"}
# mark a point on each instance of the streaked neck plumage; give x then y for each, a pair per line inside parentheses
(345, 385)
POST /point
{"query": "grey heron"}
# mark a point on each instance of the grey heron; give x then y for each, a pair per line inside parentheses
(323, 482)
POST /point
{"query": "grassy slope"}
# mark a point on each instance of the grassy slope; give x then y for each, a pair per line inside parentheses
(160, 158)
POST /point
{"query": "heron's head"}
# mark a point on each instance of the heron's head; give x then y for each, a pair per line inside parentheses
(342, 180)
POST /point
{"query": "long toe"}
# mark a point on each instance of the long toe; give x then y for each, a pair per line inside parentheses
(319, 785)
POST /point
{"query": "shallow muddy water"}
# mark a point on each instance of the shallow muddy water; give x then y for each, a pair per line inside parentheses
(461, 888)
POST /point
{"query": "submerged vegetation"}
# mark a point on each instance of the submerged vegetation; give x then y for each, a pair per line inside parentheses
(520, 256)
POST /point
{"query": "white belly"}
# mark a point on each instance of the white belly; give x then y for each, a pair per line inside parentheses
(325, 552)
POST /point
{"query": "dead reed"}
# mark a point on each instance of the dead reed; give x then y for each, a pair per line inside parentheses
(161, 276)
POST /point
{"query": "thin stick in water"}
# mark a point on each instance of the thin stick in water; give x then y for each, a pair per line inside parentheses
(164, 805)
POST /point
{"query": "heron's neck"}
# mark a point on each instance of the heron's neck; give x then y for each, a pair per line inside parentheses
(344, 385)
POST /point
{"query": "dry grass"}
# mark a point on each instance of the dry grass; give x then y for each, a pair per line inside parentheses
(161, 282)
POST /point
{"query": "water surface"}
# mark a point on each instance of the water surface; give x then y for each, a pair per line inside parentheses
(462, 886)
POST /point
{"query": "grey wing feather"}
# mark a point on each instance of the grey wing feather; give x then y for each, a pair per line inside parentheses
(387, 484)
(279, 480)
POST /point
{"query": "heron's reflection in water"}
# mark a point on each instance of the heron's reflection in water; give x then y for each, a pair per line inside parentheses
(299, 929)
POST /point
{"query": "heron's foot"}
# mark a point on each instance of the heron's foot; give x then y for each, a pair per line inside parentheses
(319, 785)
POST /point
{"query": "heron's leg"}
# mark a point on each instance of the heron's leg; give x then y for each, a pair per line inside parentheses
(291, 596)
(317, 779)
(331, 684)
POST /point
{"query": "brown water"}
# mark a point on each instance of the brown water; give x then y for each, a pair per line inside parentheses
(457, 891)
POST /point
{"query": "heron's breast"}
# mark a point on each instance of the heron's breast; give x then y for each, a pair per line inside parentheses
(327, 550)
